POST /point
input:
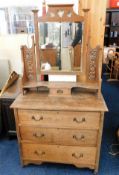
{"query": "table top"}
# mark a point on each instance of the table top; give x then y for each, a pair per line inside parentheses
(75, 102)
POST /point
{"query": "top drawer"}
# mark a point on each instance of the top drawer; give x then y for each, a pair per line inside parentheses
(60, 119)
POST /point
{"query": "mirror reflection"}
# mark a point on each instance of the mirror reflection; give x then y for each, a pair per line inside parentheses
(61, 46)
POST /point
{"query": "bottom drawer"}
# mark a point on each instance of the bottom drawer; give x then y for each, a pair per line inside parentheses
(61, 154)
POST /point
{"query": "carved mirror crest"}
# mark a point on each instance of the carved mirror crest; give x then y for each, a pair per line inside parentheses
(60, 41)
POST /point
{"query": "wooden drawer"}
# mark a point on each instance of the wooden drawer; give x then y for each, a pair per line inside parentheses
(60, 92)
(59, 119)
(61, 154)
(59, 136)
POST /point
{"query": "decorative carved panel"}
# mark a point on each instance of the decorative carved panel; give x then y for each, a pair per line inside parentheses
(93, 59)
(61, 13)
(29, 63)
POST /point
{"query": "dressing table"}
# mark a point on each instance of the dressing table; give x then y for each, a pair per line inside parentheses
(61, 121)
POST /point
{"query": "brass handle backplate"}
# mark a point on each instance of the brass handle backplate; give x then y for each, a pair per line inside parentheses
(77, 156)
(37, 118)
(82, 137)
(79, 121)
(39, 153)
(38, 135)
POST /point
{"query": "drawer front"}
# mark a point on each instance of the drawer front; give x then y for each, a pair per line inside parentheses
(61, 154)
(77, 120)
(60, 92)
(59, 136)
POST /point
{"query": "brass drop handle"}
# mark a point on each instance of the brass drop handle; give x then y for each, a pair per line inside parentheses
(77, 156)
(79, 121)
(82, 137)
(59, 91)
(38, 135)
(39, 153)
(37, 118)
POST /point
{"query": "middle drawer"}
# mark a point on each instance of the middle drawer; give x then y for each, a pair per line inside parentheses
(59, 136)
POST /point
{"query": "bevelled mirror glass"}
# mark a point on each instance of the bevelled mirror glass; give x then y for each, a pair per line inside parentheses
(61, 46)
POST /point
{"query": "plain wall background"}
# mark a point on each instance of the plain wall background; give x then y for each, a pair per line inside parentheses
(10, 44)
(10, 49)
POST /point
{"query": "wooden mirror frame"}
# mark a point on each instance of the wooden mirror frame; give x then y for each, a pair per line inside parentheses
(52, 16)
(89, 77)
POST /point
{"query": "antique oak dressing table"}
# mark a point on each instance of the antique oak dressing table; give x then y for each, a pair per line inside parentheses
(61, 121)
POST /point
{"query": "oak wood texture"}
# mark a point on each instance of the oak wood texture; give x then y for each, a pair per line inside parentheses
(93, 36)
(61, 13)
(29, 63)
(53, 16)
(58, 136)
(62, 119)
(63, 86)
(99, 141)
(65, 128)
(37, 37)
(57, 13)
(59, 129)
(67, 14)
(97, 15)
(56, 153)
(60, 92)
(82, 102)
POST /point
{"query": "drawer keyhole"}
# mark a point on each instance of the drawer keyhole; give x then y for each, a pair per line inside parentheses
(39, 153)
(38, 135)
(37, 118)
(76, 156)
(82, 137)
(79, 121)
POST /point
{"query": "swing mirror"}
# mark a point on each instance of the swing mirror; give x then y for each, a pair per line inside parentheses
(60, 46)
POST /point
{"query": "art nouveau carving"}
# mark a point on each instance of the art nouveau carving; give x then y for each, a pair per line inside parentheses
(87, 71)
(93, 59)
(28, 57)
